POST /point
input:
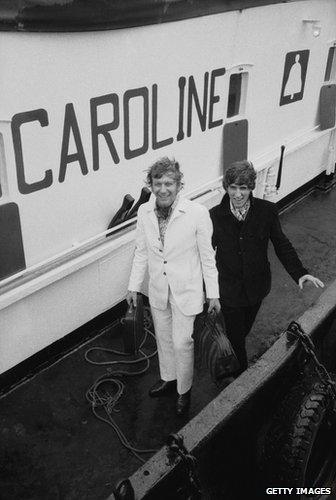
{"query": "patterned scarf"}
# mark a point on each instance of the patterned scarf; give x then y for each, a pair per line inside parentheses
(163, 215)
(240, 213)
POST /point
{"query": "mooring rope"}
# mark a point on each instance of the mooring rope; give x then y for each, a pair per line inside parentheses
(108, 399)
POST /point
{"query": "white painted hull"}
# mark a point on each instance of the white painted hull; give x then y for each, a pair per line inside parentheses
(65, 284)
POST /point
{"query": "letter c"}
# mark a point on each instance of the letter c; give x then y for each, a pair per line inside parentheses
(41, 116)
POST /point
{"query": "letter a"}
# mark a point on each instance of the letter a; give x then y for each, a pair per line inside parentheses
(70, 123)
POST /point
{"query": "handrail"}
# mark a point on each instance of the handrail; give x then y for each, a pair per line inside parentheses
(88, 244)
(101, 237)
(275, 149)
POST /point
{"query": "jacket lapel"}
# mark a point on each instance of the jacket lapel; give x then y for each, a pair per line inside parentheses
(225, 206)
(151, 214)
(180, 209)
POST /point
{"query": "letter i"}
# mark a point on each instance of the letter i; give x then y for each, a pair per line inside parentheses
(181, 84)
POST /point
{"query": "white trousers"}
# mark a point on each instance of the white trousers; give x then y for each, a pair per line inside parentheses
(173, 331)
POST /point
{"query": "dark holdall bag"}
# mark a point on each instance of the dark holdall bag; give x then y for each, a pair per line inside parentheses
(212, 347)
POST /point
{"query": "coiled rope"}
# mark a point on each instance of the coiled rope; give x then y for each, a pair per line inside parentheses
(106, 398)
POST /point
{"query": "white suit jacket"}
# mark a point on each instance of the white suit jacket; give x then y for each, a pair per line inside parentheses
(186, 259)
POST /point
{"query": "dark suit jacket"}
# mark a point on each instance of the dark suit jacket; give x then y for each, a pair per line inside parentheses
(241, 251)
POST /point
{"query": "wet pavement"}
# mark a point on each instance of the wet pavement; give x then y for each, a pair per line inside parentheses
(54, 447)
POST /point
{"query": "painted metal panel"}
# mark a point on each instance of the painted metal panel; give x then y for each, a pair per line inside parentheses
(294, 76)
(12, 257)
(327, 106)
(235, 137)
(79, 15)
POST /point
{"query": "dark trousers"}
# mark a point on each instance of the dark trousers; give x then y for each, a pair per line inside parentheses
(238, 323)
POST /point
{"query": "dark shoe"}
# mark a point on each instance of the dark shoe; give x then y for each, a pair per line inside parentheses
(225, 381)
(238, 373)
(183, 403)
(162, 387)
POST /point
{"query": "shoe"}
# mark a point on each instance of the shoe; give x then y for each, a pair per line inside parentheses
(238, 373)
(183, 403)
(225, 381)
(162, 387)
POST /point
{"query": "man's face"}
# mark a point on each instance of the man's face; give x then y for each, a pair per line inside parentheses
(239, 194)
(165, 190)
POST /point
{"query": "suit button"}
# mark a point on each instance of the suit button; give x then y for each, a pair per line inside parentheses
(165, 262)
(160, 250)
(241, 238)
(164, 274)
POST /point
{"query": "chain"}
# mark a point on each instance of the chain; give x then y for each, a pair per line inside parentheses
(294, 330)
(176, 449)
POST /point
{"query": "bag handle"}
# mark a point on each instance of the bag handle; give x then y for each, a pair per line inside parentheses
(211, 319)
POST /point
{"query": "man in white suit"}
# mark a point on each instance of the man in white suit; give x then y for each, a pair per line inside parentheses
(173, 239)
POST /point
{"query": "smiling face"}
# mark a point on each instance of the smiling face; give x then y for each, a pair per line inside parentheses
(239, 194)
(165, 189)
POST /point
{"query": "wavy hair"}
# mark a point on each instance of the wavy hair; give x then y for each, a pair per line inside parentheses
(164, 166)
(240, 172)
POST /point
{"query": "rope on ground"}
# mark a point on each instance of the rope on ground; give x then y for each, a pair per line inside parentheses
(101, 398)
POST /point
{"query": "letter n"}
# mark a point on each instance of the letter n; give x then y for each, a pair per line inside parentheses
(193, 96)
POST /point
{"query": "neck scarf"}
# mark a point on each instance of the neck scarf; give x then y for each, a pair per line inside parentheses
(163, 215)
(240, 213)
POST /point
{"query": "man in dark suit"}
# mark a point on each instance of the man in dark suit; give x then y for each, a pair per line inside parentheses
(243, 226)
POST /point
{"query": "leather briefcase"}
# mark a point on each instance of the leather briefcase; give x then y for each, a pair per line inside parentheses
(212, 346)
(133, 323)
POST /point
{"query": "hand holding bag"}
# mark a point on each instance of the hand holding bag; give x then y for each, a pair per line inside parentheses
(212, 347)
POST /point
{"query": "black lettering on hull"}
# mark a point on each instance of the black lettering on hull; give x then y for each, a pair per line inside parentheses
(155, 143)
(19, 119)
(130, 94)
(202, 100)
(71, 124)
(104, 129)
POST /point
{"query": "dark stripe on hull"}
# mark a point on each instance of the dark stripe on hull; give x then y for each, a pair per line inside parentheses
(88, 15)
